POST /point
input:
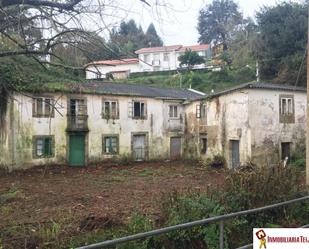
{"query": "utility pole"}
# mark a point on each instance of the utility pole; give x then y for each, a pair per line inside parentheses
(307, 130)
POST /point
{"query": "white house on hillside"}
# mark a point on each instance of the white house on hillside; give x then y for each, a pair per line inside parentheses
(149, 59)
(166, 57)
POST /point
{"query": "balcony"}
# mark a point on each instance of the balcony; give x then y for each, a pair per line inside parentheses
(77, 123)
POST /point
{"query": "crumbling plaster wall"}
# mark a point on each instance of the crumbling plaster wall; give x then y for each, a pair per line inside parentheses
(226, 119)
(24, 127)
(267, 132)
(158, 144)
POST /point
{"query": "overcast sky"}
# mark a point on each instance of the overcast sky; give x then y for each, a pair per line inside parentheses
(176, 24)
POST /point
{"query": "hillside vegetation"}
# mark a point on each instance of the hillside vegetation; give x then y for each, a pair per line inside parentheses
(202, 81)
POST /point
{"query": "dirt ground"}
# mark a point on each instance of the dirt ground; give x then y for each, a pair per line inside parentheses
(69, 195)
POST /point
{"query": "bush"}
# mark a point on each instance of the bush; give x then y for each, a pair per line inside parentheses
(217, 161)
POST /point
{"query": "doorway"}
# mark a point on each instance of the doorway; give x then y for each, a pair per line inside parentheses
(77, 150)
(235, 153)
(175, 147)
(139, 147)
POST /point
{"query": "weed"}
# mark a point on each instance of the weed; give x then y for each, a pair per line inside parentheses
(121, 171)
(217, 161)
(146, 172)
(117, 179)
(9, 196)
(5, 210)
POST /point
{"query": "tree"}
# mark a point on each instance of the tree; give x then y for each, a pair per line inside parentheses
(128, 38)
(190, 59)
(218, 21)
(152, 38)
(282, 42)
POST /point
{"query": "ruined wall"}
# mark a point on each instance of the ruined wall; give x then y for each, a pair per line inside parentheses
(158, 127)
(226, 119)
(24, 127)
(158, 143)
(267, 131)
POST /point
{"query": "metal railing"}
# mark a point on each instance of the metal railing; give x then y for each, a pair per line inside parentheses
(220, 219)
(77, 122)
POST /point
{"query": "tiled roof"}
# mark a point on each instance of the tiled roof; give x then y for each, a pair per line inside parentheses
(179, 48)
(158, 49)
(134, 90)
(194, 47)
(114, 62)
(258, 85)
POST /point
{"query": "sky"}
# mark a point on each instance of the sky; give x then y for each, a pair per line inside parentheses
(176, 22)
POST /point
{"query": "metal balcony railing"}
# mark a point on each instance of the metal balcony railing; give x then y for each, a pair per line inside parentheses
(216, 219)
(77, 123)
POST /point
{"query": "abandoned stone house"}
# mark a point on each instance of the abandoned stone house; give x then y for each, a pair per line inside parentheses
(93, 122)
(254, 122)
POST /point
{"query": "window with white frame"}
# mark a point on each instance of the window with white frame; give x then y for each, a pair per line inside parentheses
(286, 106)
(137, 109)
(43, 107)
(110, 109)
(173, 111)
(166, 57)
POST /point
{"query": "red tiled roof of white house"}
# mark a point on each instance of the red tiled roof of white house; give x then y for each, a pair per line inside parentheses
(114, 62)
(200, 47)
(158, 49)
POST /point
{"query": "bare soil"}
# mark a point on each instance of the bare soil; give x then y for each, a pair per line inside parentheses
(79, 196)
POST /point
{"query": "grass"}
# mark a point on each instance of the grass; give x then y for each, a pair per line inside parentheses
(203, 81)
(146, 172)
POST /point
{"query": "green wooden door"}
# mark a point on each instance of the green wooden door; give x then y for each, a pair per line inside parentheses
(77, 150)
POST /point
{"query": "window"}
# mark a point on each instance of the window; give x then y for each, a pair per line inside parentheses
(166, 57)
(203, 145)
(43, 146)
(146, 58)
(286, 105)
(78, 107)
(156, 60)
(201, 110)
(139, 110)
(286, 109)
(173, 111)
(110, 109)
(110, 144)
(43, 107)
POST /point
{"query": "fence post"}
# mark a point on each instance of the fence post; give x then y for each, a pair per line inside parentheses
(221, 238)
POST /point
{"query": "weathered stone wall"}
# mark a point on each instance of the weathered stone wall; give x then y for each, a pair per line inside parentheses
(267, 131)
(158, 127)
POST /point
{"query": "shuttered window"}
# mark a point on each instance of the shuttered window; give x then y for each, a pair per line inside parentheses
(43, 146)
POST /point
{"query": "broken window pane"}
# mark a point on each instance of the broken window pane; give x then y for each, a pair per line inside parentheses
(43, 146)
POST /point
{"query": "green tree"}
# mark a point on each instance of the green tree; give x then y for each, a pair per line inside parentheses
(282, 42)
(218, 21)
(190, 59)
(152, 38)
